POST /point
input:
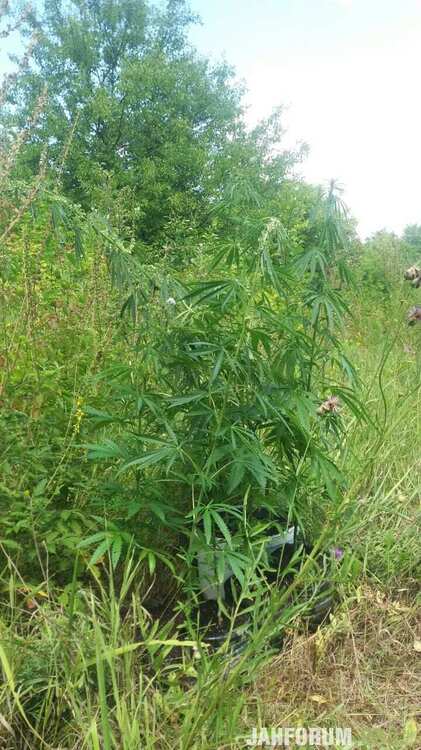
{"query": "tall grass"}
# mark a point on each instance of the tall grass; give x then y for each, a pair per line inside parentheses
(382, 457)
(99, 673)
(84, 664)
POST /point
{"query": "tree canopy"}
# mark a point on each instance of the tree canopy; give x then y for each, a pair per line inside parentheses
(136, 122)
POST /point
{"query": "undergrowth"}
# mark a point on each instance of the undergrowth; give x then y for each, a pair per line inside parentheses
(181, 391)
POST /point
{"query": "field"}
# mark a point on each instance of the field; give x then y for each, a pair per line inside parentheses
(210, 414)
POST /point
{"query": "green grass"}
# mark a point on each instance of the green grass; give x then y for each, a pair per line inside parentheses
(84, 664)
(130, 441)
(90, 669)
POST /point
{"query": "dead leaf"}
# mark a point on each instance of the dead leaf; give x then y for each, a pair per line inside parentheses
(318, 699)
(6, 725)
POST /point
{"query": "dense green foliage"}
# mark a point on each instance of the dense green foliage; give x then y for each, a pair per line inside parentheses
(214, 400)
(196, 352)
(151, 132)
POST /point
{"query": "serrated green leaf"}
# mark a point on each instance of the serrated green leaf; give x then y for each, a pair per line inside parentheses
(219, 521)
(116, 550)
(207, 524)
(100, 550)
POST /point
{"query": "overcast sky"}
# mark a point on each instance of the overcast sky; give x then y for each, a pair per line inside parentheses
(349, 72)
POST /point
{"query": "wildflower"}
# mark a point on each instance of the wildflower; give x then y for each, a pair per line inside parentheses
(171, 301)
(337, 553)
(413, 274)
(332, 404)
(414, 315)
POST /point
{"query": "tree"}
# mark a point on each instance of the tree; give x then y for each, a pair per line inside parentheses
(132, 106)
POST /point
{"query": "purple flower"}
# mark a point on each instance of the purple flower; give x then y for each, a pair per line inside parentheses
(332, 404)
(337, 553)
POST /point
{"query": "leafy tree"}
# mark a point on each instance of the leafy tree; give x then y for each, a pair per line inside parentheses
(145, 130)
(131, 106)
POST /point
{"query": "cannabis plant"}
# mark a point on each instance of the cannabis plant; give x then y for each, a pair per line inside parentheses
(226, 420)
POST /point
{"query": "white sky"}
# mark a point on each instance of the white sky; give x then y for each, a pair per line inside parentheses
(349, 72)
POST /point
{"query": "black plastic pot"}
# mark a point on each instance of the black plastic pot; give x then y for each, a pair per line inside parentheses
(321, 594)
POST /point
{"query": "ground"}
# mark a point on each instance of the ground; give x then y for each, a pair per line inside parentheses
(361, 671)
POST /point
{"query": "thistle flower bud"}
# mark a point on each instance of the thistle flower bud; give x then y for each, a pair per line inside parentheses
(414, 315)
(332, 405)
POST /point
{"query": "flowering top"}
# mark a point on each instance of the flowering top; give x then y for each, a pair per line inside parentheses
(332, 404)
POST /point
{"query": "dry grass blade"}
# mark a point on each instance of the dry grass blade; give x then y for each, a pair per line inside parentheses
(358, 671)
